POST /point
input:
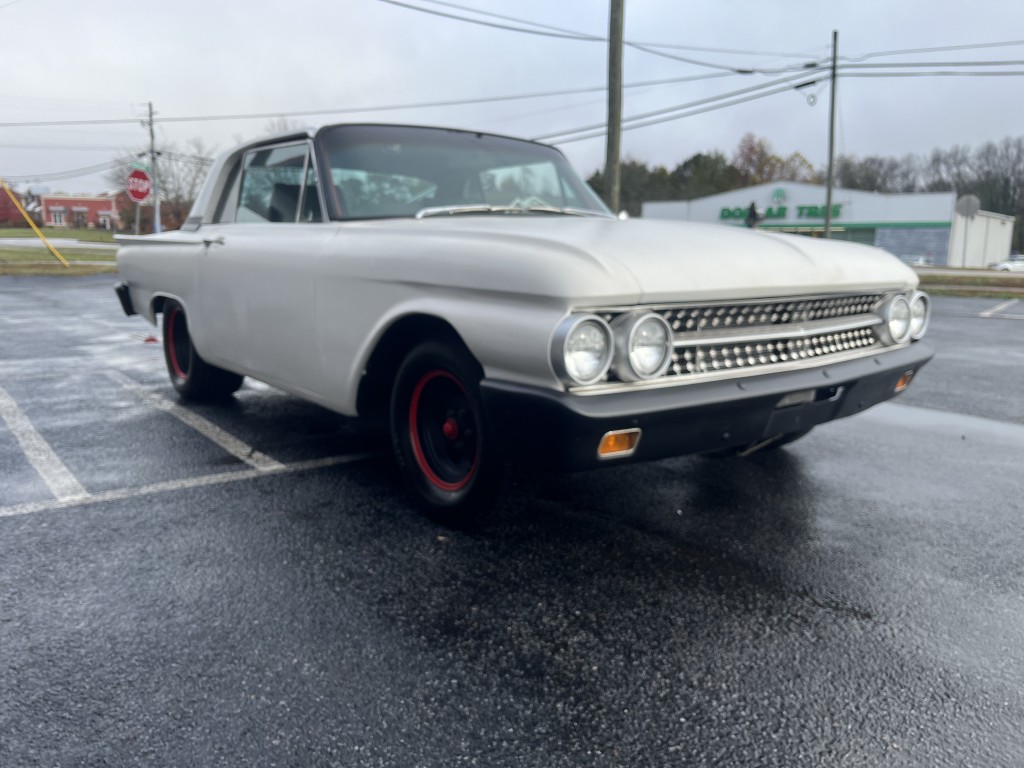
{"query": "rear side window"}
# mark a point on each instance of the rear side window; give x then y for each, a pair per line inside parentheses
(278, 185)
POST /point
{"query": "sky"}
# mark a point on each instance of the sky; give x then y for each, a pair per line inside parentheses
(106, 60)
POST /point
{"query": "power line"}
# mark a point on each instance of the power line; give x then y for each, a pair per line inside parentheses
(735, 51)
(545, 30)
(906, 51)
(935, 73)
(60, 146)
(649, 48)
(363, 110)
(790, 82)
(667, 119)
(908, 64)
(584, 36)
(61, 175)
(570, 32)
(541, 32)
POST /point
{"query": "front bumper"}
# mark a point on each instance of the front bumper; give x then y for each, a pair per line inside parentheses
(562, 430)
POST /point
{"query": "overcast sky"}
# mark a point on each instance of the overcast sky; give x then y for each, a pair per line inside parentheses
(104, 60)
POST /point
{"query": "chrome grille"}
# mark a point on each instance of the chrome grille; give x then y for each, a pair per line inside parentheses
(735, 336)
(767, 313)
(698, 358)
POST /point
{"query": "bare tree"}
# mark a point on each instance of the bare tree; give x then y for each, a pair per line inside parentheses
(180, 174)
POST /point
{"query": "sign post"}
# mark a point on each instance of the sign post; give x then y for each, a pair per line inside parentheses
(138, 185)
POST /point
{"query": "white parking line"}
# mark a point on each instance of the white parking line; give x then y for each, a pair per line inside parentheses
(120, 494)
(209, 430)
(998, 308)
(57, 477)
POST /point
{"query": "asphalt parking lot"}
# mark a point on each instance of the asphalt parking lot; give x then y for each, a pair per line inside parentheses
(247, 585)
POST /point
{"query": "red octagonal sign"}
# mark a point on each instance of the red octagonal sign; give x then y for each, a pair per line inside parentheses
(139, 185)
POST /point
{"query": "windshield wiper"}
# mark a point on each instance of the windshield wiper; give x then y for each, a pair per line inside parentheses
(453, 210)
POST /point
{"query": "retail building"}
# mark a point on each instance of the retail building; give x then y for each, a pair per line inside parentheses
(919, 228)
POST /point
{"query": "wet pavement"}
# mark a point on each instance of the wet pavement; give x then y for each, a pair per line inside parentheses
(247, 585)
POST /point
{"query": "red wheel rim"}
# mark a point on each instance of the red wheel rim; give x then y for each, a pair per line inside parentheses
(443, 431)
(178, 344)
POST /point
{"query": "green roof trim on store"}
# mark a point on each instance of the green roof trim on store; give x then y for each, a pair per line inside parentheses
(861, 225)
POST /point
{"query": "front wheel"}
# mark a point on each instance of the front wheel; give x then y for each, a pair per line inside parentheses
(450, 461)
(192, 377)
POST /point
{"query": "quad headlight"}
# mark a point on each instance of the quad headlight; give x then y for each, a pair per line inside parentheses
(637, 346)
(643, 346)
(905, 317)
(920, 312)
(897, 316)
(582, 349)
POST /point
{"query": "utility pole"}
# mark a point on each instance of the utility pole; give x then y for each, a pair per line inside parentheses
(831, 138)
(156, 177)
(612, 169)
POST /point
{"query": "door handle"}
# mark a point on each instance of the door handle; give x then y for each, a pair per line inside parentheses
(208, 241)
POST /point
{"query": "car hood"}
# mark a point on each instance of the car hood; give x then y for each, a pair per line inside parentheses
(637, 260)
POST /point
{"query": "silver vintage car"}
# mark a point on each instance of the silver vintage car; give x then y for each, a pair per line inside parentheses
(473, 294)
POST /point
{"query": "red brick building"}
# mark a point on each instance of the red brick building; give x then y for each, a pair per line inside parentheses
(9, 214)
(79, 211)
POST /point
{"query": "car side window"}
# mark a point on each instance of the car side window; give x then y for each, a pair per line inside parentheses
(278, 185)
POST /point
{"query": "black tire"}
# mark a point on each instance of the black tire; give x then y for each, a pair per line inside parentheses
(448, 457)
(192, 377)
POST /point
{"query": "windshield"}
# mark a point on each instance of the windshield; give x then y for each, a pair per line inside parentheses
(383, 171)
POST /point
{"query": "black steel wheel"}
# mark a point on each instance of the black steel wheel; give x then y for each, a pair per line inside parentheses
(450, 461)
(192, 377)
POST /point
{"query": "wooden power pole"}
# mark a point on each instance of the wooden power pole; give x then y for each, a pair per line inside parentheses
(831, 138)
(612, 169)
(157, 228)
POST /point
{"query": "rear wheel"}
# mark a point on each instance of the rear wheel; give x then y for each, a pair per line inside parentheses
(447, 456)
(192, 377)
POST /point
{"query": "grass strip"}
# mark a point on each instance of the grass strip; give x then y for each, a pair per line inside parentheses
(85, 235)
(56, 269)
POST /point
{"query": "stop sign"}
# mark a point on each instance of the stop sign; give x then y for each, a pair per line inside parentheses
(139, 185)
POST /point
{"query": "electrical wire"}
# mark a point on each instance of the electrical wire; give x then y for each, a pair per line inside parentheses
(909, 64)
(789, 82)
(364, 110)
(56, 146)
(906, 51)
(545, 30)
(62, 175)
(541, 32)
(667, 119)
(574, 33)
(936, 73)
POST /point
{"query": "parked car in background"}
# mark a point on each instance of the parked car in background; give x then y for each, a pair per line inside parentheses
(1013, 264)
(473, 294)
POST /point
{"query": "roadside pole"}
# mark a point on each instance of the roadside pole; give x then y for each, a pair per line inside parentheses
(156, 175)
(831, 139)
(612, 168)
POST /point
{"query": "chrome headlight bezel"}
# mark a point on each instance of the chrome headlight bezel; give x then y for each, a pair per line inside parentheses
(626, 329)
(919, 319)
(565, 369)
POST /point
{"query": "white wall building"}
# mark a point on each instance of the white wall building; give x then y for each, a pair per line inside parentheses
(913, 226)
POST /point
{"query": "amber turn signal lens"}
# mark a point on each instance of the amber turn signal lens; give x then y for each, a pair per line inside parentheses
(904, 381)
(619, 443)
